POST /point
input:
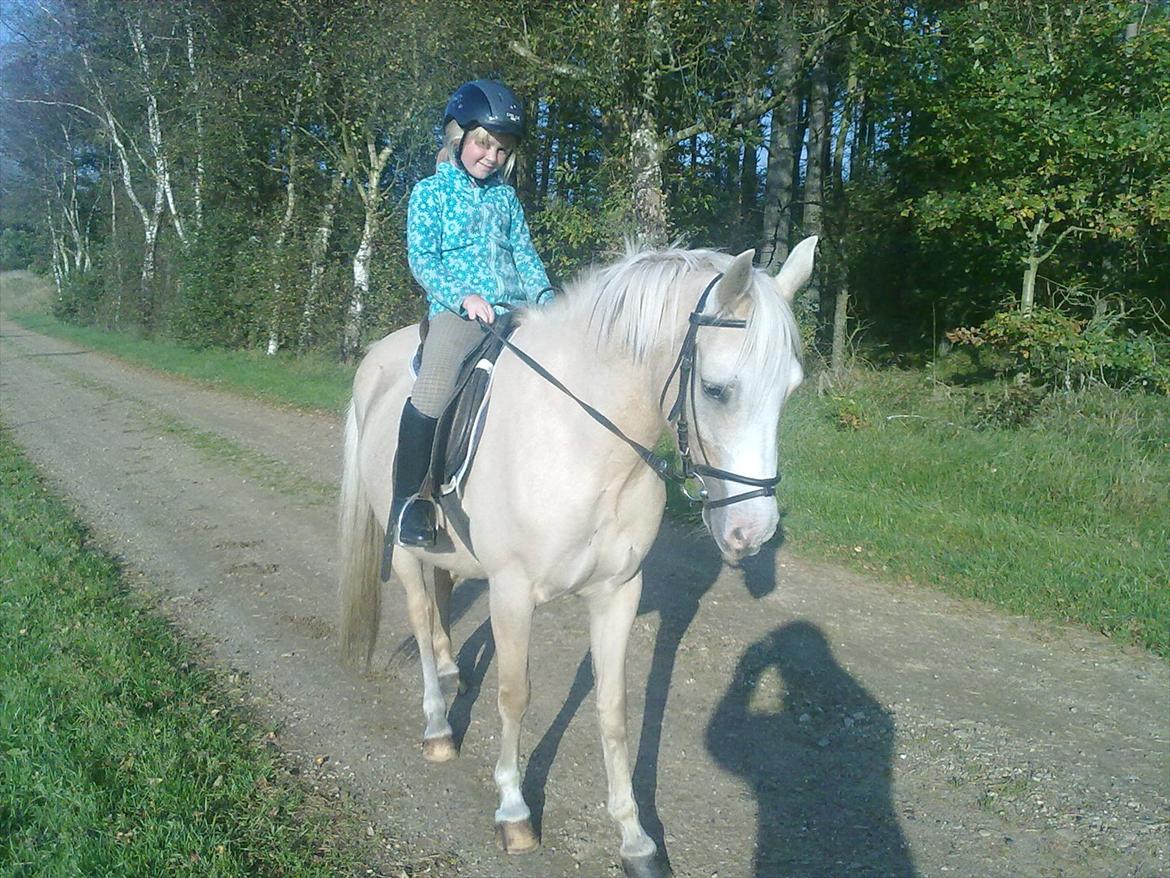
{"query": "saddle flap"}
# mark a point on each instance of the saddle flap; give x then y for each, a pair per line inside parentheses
(459, 427)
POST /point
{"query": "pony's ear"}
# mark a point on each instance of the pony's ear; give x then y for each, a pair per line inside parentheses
(797, 268)
(735, 283)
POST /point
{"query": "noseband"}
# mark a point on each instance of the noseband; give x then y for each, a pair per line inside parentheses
(684, 367)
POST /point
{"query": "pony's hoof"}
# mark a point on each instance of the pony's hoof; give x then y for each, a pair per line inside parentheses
(516, 837)
(649, 866)
(451, 685)
(439, 749)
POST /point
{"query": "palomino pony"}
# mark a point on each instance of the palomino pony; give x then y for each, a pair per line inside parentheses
(559, 503)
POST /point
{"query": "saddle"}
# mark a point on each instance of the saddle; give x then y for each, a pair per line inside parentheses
(459, 428)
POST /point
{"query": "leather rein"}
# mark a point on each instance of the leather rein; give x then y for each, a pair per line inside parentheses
(684, 368)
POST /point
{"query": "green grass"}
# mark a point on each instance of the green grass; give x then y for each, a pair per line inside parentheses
(119, 753)
(903, 475)
(1064, 519)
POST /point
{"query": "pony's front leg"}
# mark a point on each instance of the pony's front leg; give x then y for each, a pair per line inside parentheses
(511, 608)
(611, 615)
(438, 743)
(449, 680)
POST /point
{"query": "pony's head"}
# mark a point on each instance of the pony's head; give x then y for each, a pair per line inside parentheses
(742, 378)
(742, 374)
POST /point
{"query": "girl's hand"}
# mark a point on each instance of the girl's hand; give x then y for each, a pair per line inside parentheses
(477, 308)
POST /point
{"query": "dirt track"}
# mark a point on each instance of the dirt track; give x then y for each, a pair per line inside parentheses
(790, 719)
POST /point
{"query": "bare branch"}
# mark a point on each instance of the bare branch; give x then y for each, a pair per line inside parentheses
(570, 70)
(58, 104)
(1062, 236)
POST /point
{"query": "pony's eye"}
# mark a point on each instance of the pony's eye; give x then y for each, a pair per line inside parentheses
(715, 391)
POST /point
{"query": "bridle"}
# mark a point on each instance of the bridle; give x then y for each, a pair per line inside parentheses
(684, 367)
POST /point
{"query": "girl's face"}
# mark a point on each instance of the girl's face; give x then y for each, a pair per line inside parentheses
(483, 154)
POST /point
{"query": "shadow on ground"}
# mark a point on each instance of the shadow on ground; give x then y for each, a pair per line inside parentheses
(815, 748)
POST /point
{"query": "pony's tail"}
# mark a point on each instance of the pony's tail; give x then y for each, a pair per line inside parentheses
(360, 553)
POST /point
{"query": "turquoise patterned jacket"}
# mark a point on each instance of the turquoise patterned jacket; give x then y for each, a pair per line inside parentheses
(464, 237)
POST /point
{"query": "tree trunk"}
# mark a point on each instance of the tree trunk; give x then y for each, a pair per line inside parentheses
(749, 183)
(351, 338)
(646, 147)
(371, 195)
(649, 197)
(162, 170)
(59, 265)
(199, 138)
(1028, 287)
(840, 324)
(319, 251)
(290, 203)
(814, 183)
(150, 244)
(117, 251)
(778, 184)
(841, 215)
(1032, 266)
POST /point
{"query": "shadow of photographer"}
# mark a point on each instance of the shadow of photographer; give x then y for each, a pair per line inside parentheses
(816, 749)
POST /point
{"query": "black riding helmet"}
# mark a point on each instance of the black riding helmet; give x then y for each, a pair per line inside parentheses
(488, 104)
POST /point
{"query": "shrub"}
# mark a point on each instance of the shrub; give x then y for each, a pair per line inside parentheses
(1067, 352)
(19, 248)
(80, 299)
(1014, 407)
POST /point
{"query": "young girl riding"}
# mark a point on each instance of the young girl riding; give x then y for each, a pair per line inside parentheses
(469, 248)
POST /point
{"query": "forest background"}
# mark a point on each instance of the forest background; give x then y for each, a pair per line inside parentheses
(236, 174)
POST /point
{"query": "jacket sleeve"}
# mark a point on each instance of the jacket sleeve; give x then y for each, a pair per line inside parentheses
(533, 277)
(424, 239)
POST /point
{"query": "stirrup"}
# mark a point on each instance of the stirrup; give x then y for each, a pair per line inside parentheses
(416, 523)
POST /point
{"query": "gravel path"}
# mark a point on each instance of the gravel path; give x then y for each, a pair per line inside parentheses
(790, 718)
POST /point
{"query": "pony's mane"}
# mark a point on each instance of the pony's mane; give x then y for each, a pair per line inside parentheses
(631, 304)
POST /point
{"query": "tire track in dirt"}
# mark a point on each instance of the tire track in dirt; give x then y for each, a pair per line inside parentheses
(799, 720)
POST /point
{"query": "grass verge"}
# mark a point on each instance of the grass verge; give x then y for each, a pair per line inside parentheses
(1062, 518)
(119, 753)
(310, 381)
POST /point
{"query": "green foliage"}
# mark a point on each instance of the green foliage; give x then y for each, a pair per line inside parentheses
(569, 237)
(82, 294)
(122, 755)
(1036, 131)
(19, 248)
(216, 298)
(1066, 352)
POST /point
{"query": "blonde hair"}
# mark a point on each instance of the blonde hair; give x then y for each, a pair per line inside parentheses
(453, 136)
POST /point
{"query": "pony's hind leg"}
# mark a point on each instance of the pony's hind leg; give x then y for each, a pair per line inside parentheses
(511, 611)
(449, 680)
(611, 615)
(438, 744)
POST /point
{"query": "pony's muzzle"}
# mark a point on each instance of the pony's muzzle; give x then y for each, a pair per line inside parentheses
(740, 532)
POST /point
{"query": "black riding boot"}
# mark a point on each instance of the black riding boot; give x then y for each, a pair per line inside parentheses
(413, 517)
